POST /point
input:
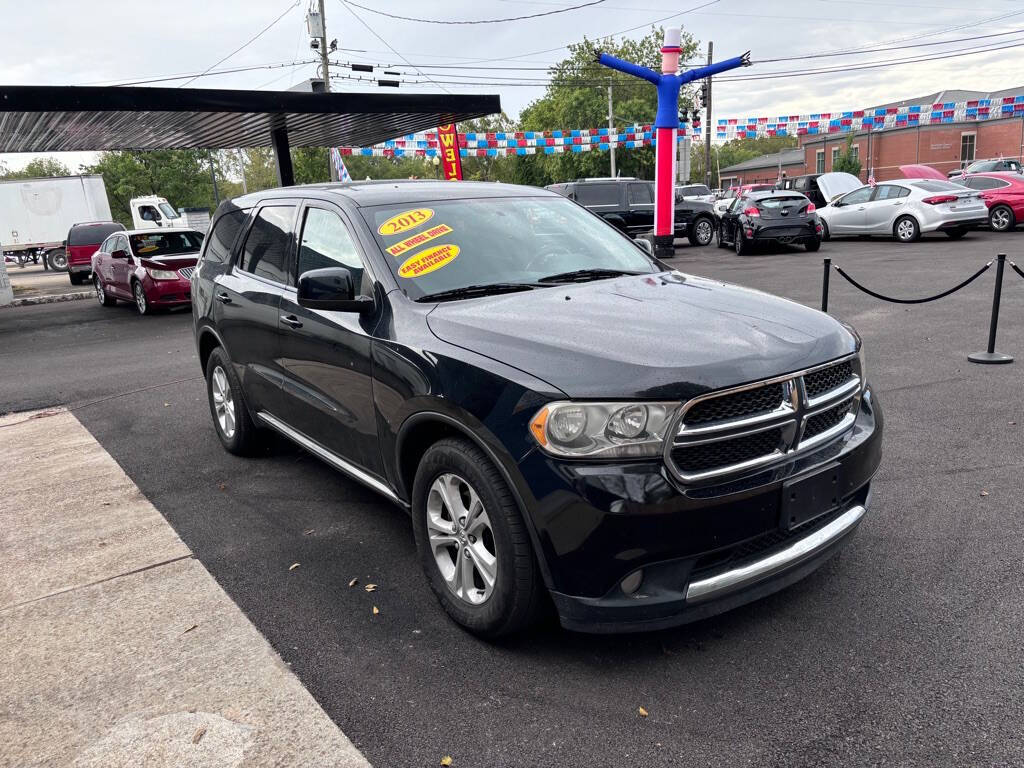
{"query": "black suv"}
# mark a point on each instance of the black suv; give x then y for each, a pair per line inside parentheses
(561, 414)
(628, 204)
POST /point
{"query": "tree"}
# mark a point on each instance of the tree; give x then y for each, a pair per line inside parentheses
(39, 168)
(180, 175)
(847, 162)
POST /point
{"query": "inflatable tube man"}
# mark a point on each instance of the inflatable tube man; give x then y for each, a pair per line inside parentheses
(667, 123)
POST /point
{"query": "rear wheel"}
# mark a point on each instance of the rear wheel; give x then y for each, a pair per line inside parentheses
(1001, 219)
(702, 232)
(956, 234)
(813, 245)
(57, 259)
(77, 278)
(740, 244)
(824, 230)
(472, 541)
(236, 430)
(101, 293)
(906, 230)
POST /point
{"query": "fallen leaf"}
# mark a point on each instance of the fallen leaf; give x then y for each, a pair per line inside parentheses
(1012, 423)
(167, 405)
(370, 587)
(375, 610)
(353, 582)
(308, 531)
(293, 566)
(643, 712)
(194, 626)
(222, 487)
(446, 760)
(984, 493)
(198, 735)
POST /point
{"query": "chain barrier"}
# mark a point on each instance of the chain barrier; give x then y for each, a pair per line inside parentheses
(990, 355)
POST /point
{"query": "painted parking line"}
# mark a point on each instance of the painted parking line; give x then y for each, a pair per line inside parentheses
(119, 647)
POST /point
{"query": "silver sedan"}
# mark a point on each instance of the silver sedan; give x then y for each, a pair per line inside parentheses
(904, 209)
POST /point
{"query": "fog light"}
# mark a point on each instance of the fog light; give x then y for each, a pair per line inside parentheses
(631, 583)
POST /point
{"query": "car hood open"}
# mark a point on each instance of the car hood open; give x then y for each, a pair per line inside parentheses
(838, 183)
(668, 335)
(919, 171)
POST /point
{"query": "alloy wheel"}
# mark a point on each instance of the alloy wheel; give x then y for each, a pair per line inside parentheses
(101, 296)
(1000, 219)
(461, 539)
(223, 402)
(703, 231)
(140, 298)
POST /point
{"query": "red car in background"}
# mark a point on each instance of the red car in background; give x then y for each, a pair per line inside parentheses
(82, 242)
(151, 268)
(1003, 193)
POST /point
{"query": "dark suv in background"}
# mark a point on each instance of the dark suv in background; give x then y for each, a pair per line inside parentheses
(566, 418)
(628, 204)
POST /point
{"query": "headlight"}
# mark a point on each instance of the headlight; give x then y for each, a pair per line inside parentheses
(162, 274)
(602, 430)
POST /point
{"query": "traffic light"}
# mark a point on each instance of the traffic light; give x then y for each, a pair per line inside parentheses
(684, 115)
(703, 93)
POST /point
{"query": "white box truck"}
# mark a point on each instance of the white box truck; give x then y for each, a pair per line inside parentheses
(36, 214)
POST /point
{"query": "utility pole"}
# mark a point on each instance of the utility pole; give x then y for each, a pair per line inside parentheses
(611, 127)
(707, 125)
(213, 176)
(325, 65)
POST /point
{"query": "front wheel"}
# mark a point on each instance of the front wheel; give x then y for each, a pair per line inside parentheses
(77, 278)
(721, 237)
(1001, 219)
(141, 302)
(702, 232)
(472, 541)
(906, 230)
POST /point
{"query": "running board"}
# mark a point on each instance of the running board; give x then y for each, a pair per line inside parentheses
(331, 458)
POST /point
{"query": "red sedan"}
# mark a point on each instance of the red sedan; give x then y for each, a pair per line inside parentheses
(150, 268)
(1003, 193)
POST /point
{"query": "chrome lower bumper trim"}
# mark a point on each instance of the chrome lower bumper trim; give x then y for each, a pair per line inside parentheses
(803, 549)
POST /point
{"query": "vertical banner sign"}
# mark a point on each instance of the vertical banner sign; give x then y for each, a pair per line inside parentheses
(448, 143)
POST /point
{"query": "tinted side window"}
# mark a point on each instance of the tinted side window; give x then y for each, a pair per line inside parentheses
(91, 234)
(985, 182)
(598, 194)
(326, 242)
(266, 247)
(640, 194)
(223, 235)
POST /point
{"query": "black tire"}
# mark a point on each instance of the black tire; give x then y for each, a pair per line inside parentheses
(245, 438)
(105, 299)
(813, 246)
(825, 235)
(1001, 219)
(721, 237)
(142, 304)
(739, 244)
(956, 234)
(57, 259)
(517, 594)
(77, 278)
(702, 231)
(906, 230)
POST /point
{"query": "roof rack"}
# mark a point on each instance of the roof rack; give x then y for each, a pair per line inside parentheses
(608, 178)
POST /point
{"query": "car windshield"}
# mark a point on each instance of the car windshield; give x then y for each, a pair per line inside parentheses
(168, 212)
(165, 243)
(445, 245)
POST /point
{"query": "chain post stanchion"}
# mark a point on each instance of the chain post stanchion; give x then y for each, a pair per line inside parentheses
(827, 268)
(990, 356)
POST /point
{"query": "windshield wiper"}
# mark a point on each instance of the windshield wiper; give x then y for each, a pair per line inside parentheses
(583, 275)
(467, 291)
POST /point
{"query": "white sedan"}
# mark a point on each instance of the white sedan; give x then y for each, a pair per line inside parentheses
(904, 209)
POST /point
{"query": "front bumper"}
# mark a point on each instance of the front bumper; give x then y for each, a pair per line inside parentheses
(702, 550)
(168, 293)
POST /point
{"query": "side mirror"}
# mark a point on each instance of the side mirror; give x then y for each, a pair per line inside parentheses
(120, 253)
(644, 243)
(331, 289)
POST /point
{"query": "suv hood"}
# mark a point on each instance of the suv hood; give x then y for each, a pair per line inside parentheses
(667, 335)
(832, 185)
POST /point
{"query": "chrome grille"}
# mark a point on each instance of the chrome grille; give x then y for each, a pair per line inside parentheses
(186, 272)
(732, 431)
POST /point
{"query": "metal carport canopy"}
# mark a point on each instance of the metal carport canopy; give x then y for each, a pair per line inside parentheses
(91, 118)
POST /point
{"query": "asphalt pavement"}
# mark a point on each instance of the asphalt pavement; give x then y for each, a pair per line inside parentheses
(903, 650)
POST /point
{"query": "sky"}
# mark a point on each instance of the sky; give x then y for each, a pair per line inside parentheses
(99, 42)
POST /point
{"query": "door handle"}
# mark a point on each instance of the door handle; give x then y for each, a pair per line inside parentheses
(861, 208)
(223, 298)
(291, 320)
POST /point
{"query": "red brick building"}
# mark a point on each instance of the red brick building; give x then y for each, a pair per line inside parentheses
(943, 146)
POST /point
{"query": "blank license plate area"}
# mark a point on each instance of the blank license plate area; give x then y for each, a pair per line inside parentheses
(806, 498)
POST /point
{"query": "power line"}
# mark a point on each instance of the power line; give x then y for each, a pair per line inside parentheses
(245, 44)
(480, 21)
(386, 43)
(208, 73)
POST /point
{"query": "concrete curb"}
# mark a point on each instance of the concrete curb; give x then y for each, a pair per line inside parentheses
(29, 301)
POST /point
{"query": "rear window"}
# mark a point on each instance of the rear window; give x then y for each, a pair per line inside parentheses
(92, 234)
(938, 186)
(779, 202)
(597, 194)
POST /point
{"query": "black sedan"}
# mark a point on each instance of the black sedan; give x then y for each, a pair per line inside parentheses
(779, 216)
